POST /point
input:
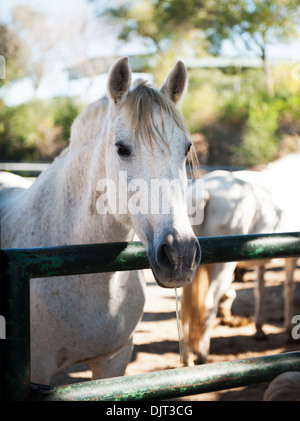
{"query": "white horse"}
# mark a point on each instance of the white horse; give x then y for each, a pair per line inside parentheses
(137, 131)
(233, 205)
(285, 387)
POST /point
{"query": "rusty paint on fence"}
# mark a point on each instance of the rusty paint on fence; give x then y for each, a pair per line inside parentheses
(167, 384)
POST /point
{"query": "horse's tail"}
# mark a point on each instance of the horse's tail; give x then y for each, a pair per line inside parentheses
(193, 311)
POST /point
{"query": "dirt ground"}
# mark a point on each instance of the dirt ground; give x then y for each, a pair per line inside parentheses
(156, 344)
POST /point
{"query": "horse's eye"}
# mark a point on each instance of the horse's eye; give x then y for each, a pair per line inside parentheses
(122, 150)
(188, 147)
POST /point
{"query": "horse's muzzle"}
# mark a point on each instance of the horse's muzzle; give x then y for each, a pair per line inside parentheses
(174, 260)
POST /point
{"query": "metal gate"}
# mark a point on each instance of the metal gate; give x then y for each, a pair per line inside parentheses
(18, 266)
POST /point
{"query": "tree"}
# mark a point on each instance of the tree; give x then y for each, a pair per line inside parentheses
(258, 23)
(137, 18)
(13, 49)
(35, 43)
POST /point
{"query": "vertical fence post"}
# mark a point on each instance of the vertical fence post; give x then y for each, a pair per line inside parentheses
(15, 348)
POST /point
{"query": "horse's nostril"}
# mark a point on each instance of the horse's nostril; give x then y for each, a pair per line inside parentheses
(197, 256)
(172, 255)
(164, 258)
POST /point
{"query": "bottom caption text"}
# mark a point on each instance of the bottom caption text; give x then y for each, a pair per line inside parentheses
(152, 410)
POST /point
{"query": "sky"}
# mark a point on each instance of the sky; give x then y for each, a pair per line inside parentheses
(285, 51)
(64, 10)
(56, 82)
(105, 43)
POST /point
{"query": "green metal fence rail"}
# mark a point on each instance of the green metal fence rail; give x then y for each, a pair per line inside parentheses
(18, 266)
(180, 382)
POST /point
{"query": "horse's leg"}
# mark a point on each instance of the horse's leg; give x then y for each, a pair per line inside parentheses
(221, 276)
(226, 303)
(259, 293)
(289, 291)
(42, 367)
(113, 365)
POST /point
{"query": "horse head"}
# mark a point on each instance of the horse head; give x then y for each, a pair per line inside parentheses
(146, 151)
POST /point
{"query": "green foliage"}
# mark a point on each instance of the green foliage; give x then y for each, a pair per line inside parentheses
(272, 128)
(257, 22)
(230, 110)
(260, 143)
(242, 125)
(36, 131)
(15, 52)
(65, 109)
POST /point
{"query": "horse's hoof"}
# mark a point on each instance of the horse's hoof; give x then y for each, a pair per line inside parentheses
(188, 361)
(200, 360)
(260, 335)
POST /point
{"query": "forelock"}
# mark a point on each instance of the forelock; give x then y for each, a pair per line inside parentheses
(142, 102)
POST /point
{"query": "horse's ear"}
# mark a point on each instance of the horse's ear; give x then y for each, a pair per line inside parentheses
(175, 85)
(119, 80)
